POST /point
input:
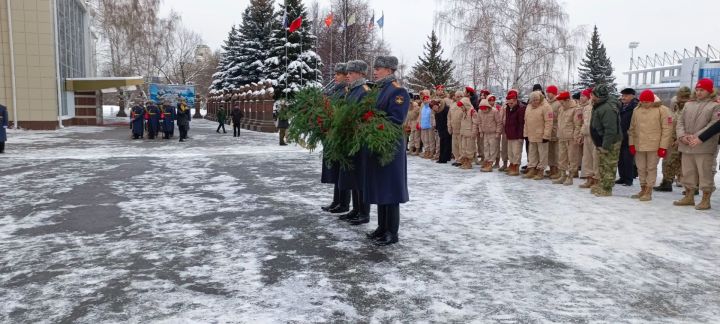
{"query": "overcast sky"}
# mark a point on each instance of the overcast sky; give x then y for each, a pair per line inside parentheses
(658, 25)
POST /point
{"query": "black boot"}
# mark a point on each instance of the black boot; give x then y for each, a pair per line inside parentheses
(665, 186)
(351, 215)
(393, 224)
(344, 204)
(363, 216)
(380, 230)
(335, 202)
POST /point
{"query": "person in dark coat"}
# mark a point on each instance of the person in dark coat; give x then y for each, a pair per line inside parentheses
(237, 116)
(221, 117)
(386, 186)
(3, 127)
(137, 121)
(153, 113)
(330, 173)
(353, 179)
(626, 162)
(441, 126)
(168, 120)
(183, 119)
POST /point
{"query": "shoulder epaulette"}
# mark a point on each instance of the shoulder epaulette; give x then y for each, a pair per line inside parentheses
(396, 84)
(366, 88)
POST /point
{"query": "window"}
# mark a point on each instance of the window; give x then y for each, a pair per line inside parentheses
(71, 26)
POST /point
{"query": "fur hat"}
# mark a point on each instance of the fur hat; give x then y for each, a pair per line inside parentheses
(628, 91)
(341, 68)
(390, 62)
(537, 87)
(705, 84)
(602, 91)
(684, 93)
(358, 66)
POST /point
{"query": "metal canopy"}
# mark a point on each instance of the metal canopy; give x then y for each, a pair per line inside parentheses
(91, 84)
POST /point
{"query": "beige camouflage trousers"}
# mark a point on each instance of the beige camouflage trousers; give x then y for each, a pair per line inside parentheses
(553, 152)
(468, 146)
(647, 163)
(479, 146)
(515, 150)
(699, 171)
(490, 147)
(428, 140)
(538, 155)
(568, 155)
(589, 158)
(456, 145)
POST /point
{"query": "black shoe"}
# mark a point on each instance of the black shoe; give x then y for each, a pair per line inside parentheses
(374, 235)
(620, 181)
(628, 183)
(665, 186)
(328, 207)
(442, 162)
(351, 215)
(456, 164)
(339, 209)
(182, 140)
(283, 144)
(361, 219)
(386, 239)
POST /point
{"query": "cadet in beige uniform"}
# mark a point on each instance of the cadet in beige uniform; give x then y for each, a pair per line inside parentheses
(468, 133)
(490, 126)
(538, 129)
(649, 137)
(411, 126)
(698, 162)
(553, 146)
(502, 149)
(454, 118)
(569, 122)
(589, 155)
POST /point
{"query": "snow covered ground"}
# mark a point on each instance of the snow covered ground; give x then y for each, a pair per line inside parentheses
(95, 227)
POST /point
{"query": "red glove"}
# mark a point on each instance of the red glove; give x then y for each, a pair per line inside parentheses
(417, 126)
(632, 149)
(662, 153)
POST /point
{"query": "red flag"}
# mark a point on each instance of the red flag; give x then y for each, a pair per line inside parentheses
(296, 24)
(329, 20)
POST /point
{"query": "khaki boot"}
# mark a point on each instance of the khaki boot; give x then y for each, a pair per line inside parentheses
(643, 188)
(568, 180)
(588, 183)
(705, 202)
(531, 173)
(647, 196)
(514, 170)
(688, 200)
(504, 168)
(467, 164)
(539, 175)
(554, 173)
(487, 167)
(561, 179)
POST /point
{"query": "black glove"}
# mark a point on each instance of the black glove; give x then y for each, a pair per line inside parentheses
(545, 141)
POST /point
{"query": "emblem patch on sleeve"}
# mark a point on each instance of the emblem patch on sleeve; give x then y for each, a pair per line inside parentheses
(399, 100)
(669, 120)
(551, 115)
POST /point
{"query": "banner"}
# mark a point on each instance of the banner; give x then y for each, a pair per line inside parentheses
(172, 93)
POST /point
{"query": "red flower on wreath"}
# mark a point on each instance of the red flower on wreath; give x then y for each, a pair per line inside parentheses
(319, 121)
(368, 115)
(381, 126)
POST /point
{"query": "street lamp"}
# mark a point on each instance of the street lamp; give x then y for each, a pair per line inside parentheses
(568, 52)
(632, 46)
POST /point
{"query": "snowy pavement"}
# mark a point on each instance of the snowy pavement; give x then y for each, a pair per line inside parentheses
(97, 228)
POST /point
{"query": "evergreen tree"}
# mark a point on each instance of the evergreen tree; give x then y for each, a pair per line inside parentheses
(228, 69)
(256, 30)
(293, 63)
(432, 69)
(596, 68)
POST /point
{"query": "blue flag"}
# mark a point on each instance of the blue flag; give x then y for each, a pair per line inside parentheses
(381, 21)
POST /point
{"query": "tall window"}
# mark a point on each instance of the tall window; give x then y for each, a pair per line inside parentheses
(71, 41)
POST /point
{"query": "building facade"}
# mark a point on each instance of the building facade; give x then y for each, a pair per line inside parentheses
(43, 43)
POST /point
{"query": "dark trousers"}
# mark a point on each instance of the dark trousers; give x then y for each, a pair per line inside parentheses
(341, 197)
(389, 219)
(283, 132)
(223, 127)
(2, 147)
(359, 203)
(445, 148)
(236, 129)
(183, 132)
(626, 165)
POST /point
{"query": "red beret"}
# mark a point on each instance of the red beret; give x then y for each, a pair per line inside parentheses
(439, 87)
(512, 94)
(552, 89)
(705, 84)
(647, 96)
(587, 92)
(470, 89)
(563, 95)
(484, 92)
(491, 98)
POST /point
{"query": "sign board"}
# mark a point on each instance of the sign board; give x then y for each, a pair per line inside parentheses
(172, 93)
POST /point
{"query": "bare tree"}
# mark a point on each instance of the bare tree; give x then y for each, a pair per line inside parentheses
(509, 43)
(177, 61)
(131, 33)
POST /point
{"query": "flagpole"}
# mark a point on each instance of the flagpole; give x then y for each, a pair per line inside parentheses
(301, 61)
(287, 59)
